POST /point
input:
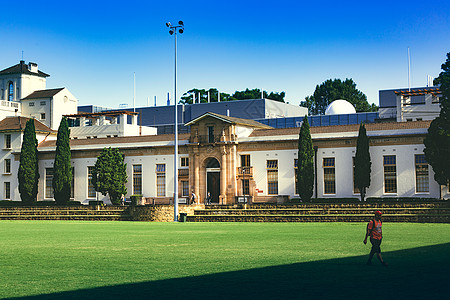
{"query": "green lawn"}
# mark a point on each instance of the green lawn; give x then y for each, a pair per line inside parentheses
(133, 260)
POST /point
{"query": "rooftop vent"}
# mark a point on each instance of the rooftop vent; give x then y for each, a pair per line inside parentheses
(33, 67)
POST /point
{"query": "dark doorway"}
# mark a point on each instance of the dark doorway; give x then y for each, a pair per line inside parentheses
(213, 186)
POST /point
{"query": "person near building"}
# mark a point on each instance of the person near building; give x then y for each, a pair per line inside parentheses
(208, 198)
(193, 197)
(374, 231)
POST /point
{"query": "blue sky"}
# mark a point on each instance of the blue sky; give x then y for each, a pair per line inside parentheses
(94, 47)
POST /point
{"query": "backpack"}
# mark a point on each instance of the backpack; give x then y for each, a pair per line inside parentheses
(373, 227)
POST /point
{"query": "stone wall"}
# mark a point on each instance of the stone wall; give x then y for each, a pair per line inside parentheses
(159, 213)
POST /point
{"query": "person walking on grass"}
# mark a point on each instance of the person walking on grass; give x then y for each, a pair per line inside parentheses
(375, 233)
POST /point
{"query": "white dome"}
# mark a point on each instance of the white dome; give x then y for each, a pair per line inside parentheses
(340, 107)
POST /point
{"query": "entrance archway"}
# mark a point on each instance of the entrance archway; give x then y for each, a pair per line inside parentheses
(213, 179)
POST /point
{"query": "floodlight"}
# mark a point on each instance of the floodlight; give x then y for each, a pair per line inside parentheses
(170, 32)
(168, 24)
(180, 23)
(181, 30)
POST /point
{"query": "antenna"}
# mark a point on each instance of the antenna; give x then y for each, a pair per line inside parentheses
(134, 91)
(148, 101)
(155, 101)
(409, 71)
(22, 54)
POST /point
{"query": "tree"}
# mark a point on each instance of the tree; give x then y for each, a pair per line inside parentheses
(437, 141)
(202, 94)
(256, 94)
(110, 174)
(362, 162)
(331, 90)
(62, 169)
(28, 175)
(305, 163)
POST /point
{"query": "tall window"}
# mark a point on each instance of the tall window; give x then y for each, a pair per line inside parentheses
(161, 180)
(210, 134)
(137, 179)
(91, 189)
(7, 190)
(422, 177)
(184, 161)
(295, 176)
(245, 164)
(245, 187)
(7, 166)
(72, 184)
(272, 177)
(48, 183)
(7, 141)
(185, 188)
(390, 174)
(11, 92)
(329, 176)
(355, 188)
(245, 160)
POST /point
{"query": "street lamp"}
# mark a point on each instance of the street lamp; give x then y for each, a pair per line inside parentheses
(173, 30)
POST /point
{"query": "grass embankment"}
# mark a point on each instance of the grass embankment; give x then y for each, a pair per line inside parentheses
(113, 260)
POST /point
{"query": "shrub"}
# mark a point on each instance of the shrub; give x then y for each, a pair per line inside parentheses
(135, 199)
(95, 202)
(9, 203)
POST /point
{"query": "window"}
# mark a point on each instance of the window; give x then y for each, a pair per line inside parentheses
(11, 92)
(185, 161)
(91, 189)
(7, 190)
(7, 141)
(72, 184)
(48, 183)
(210, 134)
(185, 188)
(245, 160)
(42, 103)
(42, 116)
(422, 177)
(137, 179)
(161, 180)
(329, 176)
(355, 188)
(7, 166)
(31, 104)
(272, 177)
(295, 176)
(390, 174)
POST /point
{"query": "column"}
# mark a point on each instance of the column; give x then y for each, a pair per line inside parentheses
(223, 176)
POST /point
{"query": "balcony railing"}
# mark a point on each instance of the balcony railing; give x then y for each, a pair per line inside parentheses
(9, 104)
(245, 171)
(183, 172)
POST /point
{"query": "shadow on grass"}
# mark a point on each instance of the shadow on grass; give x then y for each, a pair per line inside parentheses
(419, 273)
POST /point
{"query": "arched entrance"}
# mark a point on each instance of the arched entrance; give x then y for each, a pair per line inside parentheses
(213, 179)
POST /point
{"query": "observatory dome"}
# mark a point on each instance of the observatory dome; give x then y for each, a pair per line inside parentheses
(340, 107)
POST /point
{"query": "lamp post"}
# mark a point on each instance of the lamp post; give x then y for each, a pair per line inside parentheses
(173, 30)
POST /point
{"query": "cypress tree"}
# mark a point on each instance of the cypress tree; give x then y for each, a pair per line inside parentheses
(62, 169)
(28, 175)
(362, 162)
(110, 174)
(305, 164)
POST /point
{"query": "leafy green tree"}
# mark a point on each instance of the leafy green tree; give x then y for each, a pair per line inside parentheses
(305, 163)
(362, 162)
(62, 169)
(28, 175)
(110, 174)
(437, 141)
(188, 97)
(256, 94)
(331, 90)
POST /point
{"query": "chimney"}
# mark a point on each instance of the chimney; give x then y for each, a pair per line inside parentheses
(33, 67)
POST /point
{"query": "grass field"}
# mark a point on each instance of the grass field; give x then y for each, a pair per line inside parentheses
(131, 260)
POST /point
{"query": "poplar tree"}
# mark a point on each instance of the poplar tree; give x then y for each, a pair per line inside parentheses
(362, 162)
(62, 169)
(305, 163)
(28, 175)
(110, 174)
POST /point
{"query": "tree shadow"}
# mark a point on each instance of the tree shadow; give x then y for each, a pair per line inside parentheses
(412, 274)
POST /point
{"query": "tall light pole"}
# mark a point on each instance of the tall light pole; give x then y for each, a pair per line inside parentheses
(173, 30)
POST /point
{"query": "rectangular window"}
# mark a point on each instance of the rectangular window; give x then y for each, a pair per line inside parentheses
(161, 180)
(42, 116)
(355, 188)
(210, 134)
(245, 160)
(31, 104)
(72, 184)
(272, 177)
(390, 174)
(7, 190)
(137, 179)
(185, 188)
(91, 189)
(329, 176)
(295, 176)
(7, 166)
(185, 161)
(43, 103)
(48, 183)
(7, 141)
(422, 176)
